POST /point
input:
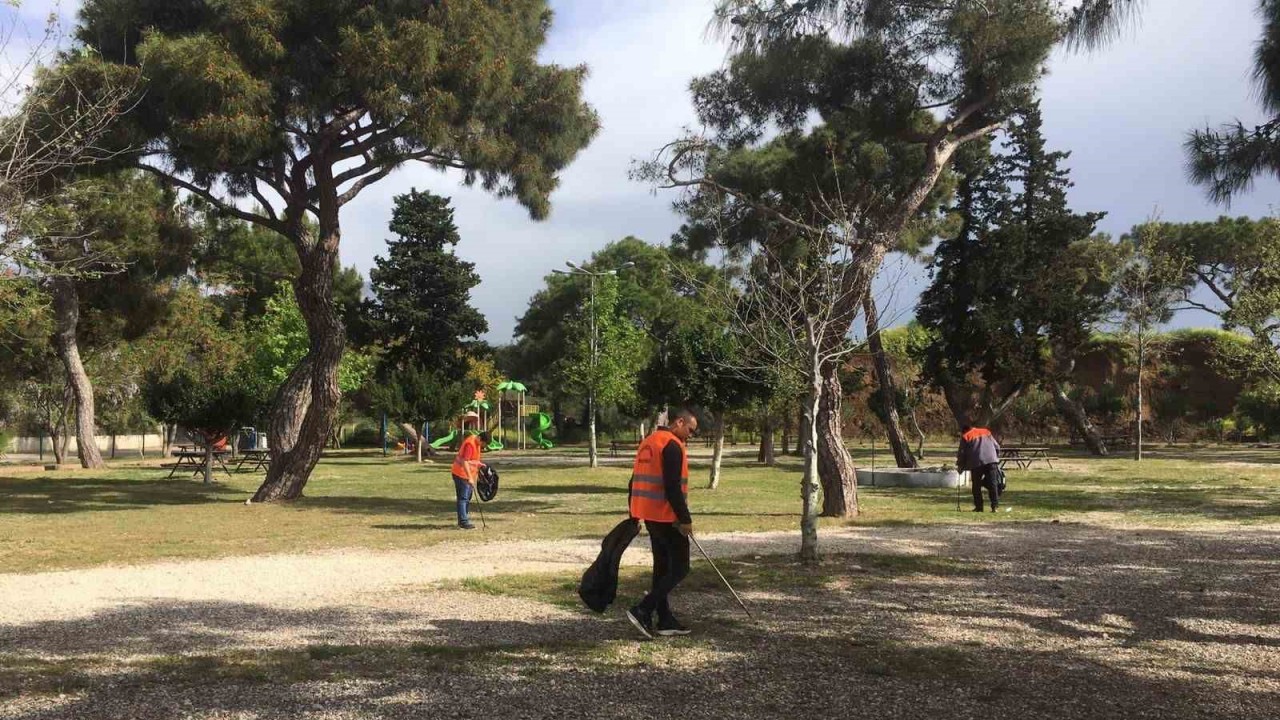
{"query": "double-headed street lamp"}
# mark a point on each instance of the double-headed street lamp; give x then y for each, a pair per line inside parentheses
(592, 455)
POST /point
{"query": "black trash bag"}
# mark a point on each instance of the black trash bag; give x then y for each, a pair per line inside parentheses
(487, 483)
(1000, 481)
(599, 586)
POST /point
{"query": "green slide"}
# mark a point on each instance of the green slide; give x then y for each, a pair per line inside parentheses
(539, 423)
(442, 442)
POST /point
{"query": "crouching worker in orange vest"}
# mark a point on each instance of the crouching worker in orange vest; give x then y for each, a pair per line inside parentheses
(466, 470)
(658, 495)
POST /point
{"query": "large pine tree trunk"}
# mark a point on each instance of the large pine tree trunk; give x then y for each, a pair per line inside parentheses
(835, 466)
(888, 387)
(66, 310)
(766, 454)
(313, 407)
(717, 454)
(1073, 412)
(289, 407)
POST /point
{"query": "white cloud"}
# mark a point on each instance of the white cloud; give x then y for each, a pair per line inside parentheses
(642, 55)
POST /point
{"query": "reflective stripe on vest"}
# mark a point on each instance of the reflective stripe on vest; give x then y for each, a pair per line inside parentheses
(648, 499)
(467, 469)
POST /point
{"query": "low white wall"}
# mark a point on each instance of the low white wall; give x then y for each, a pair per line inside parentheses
(895, 477)
(124, 443)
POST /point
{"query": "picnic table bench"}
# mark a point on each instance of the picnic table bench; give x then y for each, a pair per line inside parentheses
(195, 459)
(1023, 457)
(616, 445)
(258, 458)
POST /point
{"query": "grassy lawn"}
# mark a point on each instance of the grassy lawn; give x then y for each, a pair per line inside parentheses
(129, 514)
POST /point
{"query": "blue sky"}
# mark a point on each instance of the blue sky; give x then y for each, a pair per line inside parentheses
(1123, 113)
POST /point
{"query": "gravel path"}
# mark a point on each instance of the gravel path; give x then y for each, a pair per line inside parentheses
(988, 621)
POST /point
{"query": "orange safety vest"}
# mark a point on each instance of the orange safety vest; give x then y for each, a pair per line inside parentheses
(470, 467)
(648, 499)
(974, 434)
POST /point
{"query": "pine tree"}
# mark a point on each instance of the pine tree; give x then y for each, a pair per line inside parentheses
(1016, 292)
(303, 104)
(421, 290)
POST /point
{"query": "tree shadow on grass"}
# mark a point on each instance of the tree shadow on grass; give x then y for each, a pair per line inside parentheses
(429, 507)
(1229, 502)
(53, 496)
(419, 527)
(570, 489)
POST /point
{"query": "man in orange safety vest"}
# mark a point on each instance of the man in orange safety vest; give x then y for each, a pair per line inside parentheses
(466, 470)
(658, 494)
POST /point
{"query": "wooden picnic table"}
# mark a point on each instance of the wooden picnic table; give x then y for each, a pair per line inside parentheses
(1023, 457)
(195, 459)
(259, 459)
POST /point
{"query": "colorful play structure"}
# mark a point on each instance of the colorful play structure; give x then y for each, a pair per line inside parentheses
(477, 413)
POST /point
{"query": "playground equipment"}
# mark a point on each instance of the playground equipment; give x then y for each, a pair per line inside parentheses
(444, 441)
(479, 409)
(511, 386)
(539, 424)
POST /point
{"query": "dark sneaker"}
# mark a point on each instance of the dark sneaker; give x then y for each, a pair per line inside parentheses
(642, 620)
(671, 627)
(994, 508)
(977, 509)
(466, 526)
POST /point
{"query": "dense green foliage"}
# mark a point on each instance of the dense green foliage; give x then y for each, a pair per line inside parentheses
(420, 313)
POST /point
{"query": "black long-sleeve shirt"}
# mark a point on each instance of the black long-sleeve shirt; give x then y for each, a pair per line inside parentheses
(672, 469)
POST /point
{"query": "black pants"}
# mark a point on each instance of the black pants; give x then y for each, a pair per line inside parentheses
(670, 566)
(985, 476)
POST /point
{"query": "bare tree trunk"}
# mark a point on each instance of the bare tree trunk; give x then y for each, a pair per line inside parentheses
(54, 430)
(292, 462)
(418, 443)
(58, 437)
(717, 454)
(1137, 430)
(208, 459)
(113, 446)
(766, 454)
(809, 481)
(888, 387)
(593, 453)
(66, 310)
(835, 466)
(786, 436)
(1073, 412)
(915, 424)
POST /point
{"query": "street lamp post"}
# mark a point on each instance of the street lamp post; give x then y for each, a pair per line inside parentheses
(593, 455)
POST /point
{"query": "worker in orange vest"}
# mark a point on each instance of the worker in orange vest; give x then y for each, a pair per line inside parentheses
(658, 494)
(980, 454)
(466, 470)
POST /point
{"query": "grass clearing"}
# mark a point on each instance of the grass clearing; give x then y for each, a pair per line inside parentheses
(131, 514)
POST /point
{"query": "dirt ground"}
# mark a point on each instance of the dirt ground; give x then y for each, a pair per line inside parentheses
(1016, 620)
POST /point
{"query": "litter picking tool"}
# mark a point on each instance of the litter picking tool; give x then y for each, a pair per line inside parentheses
(483, 525)
(722, 577)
